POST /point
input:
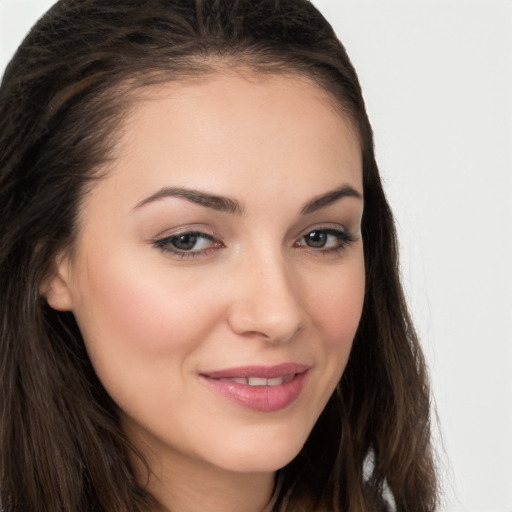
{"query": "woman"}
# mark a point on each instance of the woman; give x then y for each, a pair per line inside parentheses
(201, 307)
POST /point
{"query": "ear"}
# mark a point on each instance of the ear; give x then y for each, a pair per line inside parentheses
(56, 288)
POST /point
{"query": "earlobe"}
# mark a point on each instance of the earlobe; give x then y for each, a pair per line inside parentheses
(56, 287)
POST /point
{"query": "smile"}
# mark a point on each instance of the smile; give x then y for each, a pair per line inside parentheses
(259, 388)
(260, 381)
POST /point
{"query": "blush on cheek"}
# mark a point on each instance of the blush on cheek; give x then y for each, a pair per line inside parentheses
(338, 317)
(127, 307)
(341, 322)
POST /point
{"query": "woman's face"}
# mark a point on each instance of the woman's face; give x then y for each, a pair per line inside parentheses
(218, 274)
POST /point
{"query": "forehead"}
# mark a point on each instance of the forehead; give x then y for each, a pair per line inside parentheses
(248, 136)
(222, 109)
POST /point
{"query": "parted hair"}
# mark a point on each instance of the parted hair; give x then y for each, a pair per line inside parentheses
(63, 98)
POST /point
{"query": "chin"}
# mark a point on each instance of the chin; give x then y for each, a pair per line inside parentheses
(261, 457)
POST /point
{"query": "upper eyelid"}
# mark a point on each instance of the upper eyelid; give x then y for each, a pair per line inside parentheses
(331, 231)
(328, 226)
(163, 240)
(325, 226)
(165, 245)
(171, 233)
(188, 232)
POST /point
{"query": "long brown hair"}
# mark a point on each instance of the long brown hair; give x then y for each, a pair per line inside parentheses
(62, 99)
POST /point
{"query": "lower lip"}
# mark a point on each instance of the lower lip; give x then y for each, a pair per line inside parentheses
(259, 398)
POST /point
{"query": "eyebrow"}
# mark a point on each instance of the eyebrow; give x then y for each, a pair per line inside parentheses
(219, 203)
(329, 198)
(225, 204)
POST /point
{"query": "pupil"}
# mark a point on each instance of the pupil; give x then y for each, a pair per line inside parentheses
(316, 239)
(185, 242)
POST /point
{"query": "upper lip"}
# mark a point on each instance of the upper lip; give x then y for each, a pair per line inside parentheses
(264, 372)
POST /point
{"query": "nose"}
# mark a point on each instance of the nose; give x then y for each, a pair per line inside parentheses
(267, 303)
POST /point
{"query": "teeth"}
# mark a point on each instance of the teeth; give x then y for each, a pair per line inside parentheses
(260, 381)
(275, 382)
(257, 381)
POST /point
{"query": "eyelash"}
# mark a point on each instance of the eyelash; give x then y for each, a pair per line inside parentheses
(166, 245)
(343, 238)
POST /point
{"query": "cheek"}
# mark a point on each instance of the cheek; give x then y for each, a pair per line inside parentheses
(135, 318)
(119, 299)
(337, 304)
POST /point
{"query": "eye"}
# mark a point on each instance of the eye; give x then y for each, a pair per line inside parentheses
(188, 244)
(326, 239)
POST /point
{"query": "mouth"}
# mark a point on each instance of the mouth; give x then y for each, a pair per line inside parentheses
(260, 381)
(259, 388)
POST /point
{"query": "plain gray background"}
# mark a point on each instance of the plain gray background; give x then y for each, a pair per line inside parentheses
(437, 78)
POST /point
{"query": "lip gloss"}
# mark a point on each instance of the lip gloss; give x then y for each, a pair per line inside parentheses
(284, 385)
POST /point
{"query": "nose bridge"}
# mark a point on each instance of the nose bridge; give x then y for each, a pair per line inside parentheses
(268, 302)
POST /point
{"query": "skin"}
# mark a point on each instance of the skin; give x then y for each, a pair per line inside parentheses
(252, 292)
